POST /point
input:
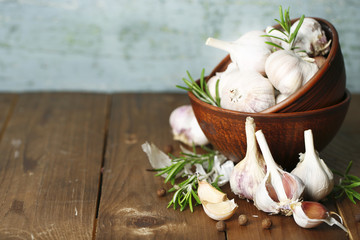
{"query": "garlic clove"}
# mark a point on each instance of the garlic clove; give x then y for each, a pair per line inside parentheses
(312, 170)
(220, 211)
(210, 194)
(279, 188)
(247, 91)
(249, 172)
(311, 214)
(185, 127)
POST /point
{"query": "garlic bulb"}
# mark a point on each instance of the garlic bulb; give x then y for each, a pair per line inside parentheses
(311, 38)
(246, 91)
(317, 177)
(223, 79)
(278, 189)
(250, 171)
(185, 127)
(288, 72)
(249, 52)
(311, 214)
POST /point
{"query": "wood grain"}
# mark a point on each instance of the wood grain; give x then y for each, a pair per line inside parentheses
(7, 103)
(130, 208)
(343, 149)
(50, 164)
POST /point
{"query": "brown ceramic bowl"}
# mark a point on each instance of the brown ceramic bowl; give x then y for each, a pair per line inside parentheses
(284, 132)
(324, 89)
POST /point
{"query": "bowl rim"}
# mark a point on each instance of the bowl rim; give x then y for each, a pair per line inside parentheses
(310, 83)
(346, 99)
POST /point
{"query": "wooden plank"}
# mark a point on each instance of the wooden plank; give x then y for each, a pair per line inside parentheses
(130, 208)
(7, 103)
(343, 149)
(50, 161)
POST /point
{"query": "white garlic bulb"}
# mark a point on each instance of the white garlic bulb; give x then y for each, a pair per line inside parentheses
(317, 177)
(279, 188)
(185, 127)
(246, 91)
(249, 52)
(288, 72)
(250, 171)
(311, 38)
(311, 214)
(221, 76)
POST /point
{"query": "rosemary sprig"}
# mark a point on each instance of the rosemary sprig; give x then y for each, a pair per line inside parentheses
(285, 23)
(185, 192)
(202, 92)
(346, 185)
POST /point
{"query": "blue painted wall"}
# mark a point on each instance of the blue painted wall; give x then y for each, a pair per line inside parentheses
(141, 45)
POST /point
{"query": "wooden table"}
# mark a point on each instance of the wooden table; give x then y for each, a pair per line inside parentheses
(72, 167)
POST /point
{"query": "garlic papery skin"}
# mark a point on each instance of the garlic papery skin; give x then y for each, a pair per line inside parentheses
(279, 188)
(247, 91)
(311, 214)
(249, 52)
(185, 127)
(288, 72)
(311, 38)
(249, 172)
(317, 177)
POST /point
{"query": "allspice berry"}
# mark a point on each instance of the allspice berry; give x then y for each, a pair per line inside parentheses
(266, 223)
(242, 219)
(221, 226)
(357, 217)
(161, 192)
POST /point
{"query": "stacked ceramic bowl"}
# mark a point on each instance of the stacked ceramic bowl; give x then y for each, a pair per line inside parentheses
(321, 105)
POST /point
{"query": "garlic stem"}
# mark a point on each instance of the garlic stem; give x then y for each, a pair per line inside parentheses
(216, 43)
(272, 167)
(309, 142)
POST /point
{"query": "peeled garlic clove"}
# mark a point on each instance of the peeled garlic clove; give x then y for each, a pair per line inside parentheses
(185, 127)
(311, 38)
(249, 52)
(311, 214)
(247, 91)
(288, 72)
(220, 211)
(279, 188)
(208, 193)
(249, 172)
(317, 177)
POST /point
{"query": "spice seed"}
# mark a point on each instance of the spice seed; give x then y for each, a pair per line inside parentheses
(266, 223)
(161, 192)
(221, 226)
(357, 217)
(242, 219)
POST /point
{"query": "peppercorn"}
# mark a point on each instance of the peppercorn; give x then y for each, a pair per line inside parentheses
(242, 219)
(266, 223)
(357, 217)
(221, 226)
(161, 192)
